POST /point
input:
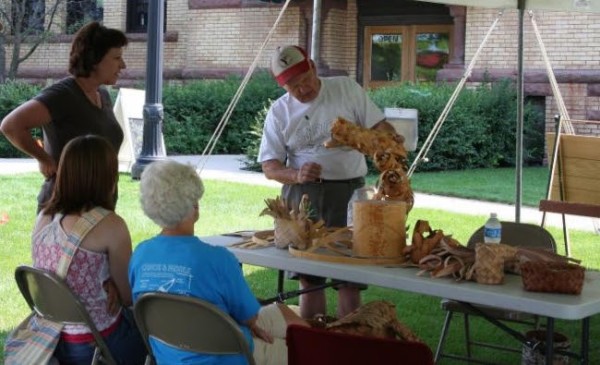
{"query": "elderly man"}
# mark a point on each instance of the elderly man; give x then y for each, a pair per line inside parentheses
(292, 152)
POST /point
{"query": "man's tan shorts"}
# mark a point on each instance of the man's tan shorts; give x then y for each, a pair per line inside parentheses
(271, 320)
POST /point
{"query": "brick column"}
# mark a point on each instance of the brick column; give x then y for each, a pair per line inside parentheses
(458, 13)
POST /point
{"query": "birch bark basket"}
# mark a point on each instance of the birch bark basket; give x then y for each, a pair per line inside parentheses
(379, 228)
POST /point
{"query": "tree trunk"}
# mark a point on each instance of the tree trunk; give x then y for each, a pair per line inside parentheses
(2, 58)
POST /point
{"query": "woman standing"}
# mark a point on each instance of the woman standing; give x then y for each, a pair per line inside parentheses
(74, 106)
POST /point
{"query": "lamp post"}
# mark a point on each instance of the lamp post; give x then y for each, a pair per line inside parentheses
(152, 139)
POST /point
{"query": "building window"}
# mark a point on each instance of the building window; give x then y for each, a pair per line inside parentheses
(404, 53)
(137, 16)
(80, 12)
(28, 16)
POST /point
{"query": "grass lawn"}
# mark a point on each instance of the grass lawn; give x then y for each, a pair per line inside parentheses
(229, 207)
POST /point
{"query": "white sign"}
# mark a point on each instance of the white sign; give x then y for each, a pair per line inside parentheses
(406, 123)
(129, 110)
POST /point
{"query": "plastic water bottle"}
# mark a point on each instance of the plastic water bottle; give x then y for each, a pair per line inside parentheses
(349, 214)
(493, 229)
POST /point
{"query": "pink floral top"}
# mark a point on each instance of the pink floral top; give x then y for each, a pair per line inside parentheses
(87, 272)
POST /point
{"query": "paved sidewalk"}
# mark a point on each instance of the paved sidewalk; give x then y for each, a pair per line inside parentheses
(230, 168)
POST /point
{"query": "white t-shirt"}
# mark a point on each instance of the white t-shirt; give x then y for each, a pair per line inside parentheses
(294, 132)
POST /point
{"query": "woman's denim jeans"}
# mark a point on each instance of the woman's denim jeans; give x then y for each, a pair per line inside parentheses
(125, 344)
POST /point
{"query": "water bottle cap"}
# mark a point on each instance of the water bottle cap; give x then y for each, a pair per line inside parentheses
(493, 215)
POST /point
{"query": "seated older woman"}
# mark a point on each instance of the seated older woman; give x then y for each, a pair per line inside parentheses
(176, 261)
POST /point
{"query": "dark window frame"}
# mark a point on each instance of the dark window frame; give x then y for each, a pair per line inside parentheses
(80, 12)
(408, 71)
(137, 16)
(34, 18)
(395, 13)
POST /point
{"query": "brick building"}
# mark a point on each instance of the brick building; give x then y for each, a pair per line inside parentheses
(375, 41)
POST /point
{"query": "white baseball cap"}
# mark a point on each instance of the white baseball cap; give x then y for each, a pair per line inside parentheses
(289, 62)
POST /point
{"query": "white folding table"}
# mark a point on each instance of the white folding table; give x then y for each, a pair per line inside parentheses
(510, 295)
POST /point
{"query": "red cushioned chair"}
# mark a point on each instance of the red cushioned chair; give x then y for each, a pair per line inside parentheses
(313, 346)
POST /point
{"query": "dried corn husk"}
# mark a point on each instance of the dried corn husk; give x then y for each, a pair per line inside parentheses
(294, 227)
(376, 319)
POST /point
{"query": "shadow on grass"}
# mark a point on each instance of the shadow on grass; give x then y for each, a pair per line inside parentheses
(3, 335)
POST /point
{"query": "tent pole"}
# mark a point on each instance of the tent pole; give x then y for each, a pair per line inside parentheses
(315, 46)
(519, 129)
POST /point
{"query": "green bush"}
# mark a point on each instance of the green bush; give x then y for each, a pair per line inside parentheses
(256, 129)
(479, 130)
(193, 112)
(13, 94)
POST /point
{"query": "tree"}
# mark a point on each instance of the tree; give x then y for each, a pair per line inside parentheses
(24, 25)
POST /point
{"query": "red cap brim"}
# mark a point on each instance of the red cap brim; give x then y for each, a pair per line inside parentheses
(295, 70)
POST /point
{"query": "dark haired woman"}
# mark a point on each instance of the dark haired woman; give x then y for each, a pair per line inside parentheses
(74, 106)
(86, 179)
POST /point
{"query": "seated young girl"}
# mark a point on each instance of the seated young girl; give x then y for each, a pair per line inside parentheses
(86, 181)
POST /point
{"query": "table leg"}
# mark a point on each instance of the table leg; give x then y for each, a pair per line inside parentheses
(280, 278)
(549, 340)
(585, 340)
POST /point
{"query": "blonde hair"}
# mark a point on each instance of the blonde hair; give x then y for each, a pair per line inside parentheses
(169, 192)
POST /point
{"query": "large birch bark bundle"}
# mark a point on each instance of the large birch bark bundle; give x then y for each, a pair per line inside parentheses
(388, 154)
(375, 319)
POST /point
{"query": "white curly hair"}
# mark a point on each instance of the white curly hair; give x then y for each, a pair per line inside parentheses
(169, 192)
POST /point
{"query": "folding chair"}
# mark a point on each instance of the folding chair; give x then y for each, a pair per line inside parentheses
(514, 234)
(51, 298)
(315, 346)
(190, 324)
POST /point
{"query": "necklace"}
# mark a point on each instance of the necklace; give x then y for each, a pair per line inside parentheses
(92, 95)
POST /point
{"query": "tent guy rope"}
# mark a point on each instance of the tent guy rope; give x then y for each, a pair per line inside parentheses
(225, 119)
(564, 122)
(564, 114)
(442, 118)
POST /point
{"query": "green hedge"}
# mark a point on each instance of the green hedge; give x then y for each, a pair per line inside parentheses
(13, 94)
(193, 112)
(479, 131)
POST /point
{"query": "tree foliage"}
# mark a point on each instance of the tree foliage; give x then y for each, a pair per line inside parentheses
(25, 25)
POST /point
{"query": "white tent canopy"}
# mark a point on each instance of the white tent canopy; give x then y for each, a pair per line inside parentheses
(558, 5)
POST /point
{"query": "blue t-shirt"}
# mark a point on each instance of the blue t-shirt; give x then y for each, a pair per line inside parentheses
(185, 265)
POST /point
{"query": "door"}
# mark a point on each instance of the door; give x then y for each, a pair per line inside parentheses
(394, 54)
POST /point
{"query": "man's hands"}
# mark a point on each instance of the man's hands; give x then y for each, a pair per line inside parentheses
(309, 172)
(276, 170)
